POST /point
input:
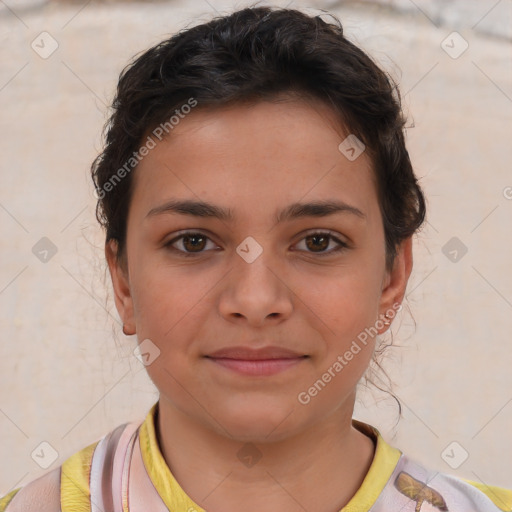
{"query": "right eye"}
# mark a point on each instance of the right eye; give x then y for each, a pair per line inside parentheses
(192, 243)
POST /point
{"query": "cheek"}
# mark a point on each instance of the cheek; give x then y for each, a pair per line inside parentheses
(344, 303)
(167, 301)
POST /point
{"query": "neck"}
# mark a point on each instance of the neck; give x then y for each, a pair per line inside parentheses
(319, 468)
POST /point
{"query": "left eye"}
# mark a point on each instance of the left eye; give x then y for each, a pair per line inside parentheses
(321, 240)
(194, 243)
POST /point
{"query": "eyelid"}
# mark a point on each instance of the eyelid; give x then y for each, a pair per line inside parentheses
(178, 235)
(332, 233)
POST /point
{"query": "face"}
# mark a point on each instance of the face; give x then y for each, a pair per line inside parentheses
(305, 281)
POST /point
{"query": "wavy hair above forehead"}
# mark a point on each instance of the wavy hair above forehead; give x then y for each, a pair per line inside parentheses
(256, 54)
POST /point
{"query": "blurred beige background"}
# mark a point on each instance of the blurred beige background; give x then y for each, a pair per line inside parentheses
(68, 374)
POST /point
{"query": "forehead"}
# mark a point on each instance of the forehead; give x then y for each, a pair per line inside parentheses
(254, 159)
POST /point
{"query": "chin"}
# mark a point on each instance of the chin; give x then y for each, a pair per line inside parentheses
(257, 422)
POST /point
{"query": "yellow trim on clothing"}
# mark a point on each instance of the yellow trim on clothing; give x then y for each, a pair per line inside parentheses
(384, 462)
(502, 498)
(74, 481)
(173, 496)
(7, 499)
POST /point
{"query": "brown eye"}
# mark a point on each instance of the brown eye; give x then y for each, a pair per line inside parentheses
(318, 242)
(195, 242)
(191, 243)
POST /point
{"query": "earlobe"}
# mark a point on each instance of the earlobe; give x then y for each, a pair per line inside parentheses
(121, 286)
(396, 283)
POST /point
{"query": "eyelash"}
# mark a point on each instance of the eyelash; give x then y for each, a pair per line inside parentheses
(341, 245)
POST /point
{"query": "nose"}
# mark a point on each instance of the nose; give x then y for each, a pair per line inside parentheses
(256, 292)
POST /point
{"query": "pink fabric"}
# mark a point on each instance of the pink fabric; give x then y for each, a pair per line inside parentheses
(119, 480)
(121, 464)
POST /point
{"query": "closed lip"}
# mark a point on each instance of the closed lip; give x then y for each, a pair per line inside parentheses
(251, 354)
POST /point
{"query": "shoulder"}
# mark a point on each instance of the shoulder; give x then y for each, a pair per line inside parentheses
(398, 482)
(501, 497)
(412, 481)
(44, 493)
(68, 487)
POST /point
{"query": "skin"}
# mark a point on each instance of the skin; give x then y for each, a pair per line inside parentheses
(255, 160)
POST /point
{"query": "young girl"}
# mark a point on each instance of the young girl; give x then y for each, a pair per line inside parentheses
(259, 206)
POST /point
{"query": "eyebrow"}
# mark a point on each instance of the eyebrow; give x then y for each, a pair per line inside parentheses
(291, 212)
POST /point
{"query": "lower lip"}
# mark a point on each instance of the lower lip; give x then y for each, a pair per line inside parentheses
(260, 367)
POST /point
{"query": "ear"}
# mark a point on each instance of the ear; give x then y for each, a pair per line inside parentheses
(121, 285)
(395, 283)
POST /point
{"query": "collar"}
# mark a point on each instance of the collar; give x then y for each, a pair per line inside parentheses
(384, 462)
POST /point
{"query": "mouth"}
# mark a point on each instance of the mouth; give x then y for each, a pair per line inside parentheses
(257, 367)
(261, 362)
